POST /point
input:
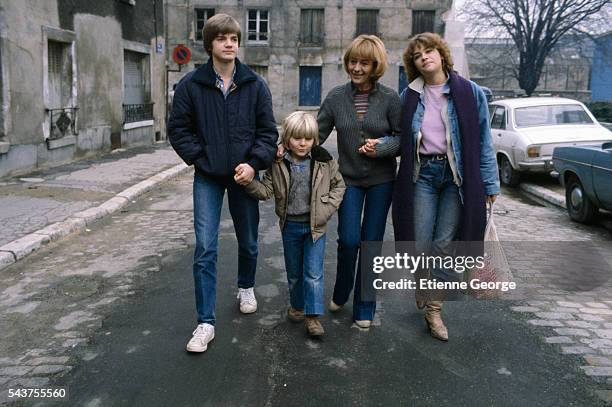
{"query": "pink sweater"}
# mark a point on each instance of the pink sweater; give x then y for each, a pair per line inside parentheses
(432, 129)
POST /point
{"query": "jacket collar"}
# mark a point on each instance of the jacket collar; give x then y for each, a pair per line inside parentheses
(418, 85)
(320, 154)
(206, 75)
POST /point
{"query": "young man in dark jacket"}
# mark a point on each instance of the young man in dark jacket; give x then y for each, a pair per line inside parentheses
(222, 123)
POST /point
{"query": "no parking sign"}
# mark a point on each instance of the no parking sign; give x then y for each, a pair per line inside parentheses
(181, 54)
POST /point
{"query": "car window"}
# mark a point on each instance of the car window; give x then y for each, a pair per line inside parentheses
(499, 118)
(551, 115)
(491, 109)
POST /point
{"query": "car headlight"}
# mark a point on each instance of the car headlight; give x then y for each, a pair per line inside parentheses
(533, 151)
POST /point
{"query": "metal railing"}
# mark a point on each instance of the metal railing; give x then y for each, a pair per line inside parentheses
(62, 121)
(137, 112)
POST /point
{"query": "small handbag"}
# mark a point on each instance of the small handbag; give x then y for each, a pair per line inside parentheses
(496, 268)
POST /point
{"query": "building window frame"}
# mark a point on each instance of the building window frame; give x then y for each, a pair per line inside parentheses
(429, 13)
(139, 114)
(258, 20)
(68, 113)
(261, 70)
(364, 30)
(200, 15)
(313, 36)
(303, 99)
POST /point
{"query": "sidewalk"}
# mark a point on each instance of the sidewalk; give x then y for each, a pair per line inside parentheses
(47, 205)
(552, 195)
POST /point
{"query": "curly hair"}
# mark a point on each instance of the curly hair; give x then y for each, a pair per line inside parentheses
(368, 47)
(426, 40)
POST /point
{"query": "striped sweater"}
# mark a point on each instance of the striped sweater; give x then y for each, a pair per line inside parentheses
(381, 119)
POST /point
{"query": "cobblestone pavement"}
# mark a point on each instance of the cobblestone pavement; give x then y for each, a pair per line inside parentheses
(576, 323)
(52, 302)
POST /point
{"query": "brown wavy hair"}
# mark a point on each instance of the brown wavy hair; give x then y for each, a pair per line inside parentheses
(426, 40)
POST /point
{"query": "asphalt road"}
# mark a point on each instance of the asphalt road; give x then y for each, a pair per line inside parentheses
(493, 357)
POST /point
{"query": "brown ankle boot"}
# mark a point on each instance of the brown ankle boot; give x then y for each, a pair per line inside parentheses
(313, 325)
(433, 317)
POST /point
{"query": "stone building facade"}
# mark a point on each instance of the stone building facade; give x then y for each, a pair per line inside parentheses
(78, 77)
(298, 46)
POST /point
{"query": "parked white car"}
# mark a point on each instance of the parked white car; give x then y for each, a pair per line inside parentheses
(526, 131)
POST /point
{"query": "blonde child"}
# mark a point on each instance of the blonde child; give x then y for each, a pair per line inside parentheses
(308, 189)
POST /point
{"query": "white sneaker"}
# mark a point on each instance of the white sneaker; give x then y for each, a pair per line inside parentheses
(248, 303)
(364, 323)
(203, 334)
(333, 307)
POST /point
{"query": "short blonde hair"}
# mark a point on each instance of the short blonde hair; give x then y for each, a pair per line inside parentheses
(298, 125)
(426, 40)
(368, 47)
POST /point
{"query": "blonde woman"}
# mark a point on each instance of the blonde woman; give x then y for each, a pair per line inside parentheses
(361, 109)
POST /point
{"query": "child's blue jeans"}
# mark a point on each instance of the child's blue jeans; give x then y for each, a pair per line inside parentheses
(304, 263)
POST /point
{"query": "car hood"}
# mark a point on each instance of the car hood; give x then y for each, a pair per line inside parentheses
(566, 134)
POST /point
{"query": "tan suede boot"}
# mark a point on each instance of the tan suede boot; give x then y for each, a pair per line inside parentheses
(433, 316)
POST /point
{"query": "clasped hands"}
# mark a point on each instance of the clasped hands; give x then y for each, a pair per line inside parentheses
(244, 174)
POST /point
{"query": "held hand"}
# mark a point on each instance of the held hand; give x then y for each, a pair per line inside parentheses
(280, 152)
(244, 174)
(369, 148)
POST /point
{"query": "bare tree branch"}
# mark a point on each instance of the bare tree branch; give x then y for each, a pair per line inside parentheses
(536, 27)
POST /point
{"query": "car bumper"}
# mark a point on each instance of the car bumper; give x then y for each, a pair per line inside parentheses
(544, 165)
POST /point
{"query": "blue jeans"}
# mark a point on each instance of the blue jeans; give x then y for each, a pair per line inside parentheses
(437, 212)
(207, 203)
(304, 263)
(374, 203)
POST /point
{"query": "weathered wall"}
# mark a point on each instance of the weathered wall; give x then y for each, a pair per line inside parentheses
(98, 30)
(283, 55)
(100, 71)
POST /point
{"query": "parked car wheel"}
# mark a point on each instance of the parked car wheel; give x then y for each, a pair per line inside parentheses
(508, 175)
(579, 206)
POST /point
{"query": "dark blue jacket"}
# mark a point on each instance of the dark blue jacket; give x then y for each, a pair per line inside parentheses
(215, 133)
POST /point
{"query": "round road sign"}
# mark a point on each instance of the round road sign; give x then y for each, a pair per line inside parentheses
(181, 54)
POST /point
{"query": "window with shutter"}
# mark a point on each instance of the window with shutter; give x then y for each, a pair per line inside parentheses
(261, 70)
(136, 87)
(423, 21)
(312, 26)
(367, 22)
(310, 86)
(59, 74)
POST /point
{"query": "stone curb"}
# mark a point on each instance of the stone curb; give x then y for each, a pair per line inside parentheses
(544, 194)
(77, 222)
